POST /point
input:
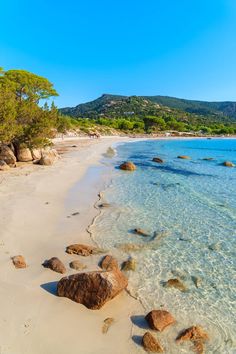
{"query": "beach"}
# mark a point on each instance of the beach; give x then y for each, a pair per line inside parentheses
(36, 221)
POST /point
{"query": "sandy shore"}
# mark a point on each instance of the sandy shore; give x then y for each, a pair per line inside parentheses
(36, 221)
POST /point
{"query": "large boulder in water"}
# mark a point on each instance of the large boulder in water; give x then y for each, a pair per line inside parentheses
(92, 289)
(159, 319)
(150, 344)
(128, 166)
(7, 155)
(23, 154)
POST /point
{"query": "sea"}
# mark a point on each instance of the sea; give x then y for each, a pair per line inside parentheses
(187, 208)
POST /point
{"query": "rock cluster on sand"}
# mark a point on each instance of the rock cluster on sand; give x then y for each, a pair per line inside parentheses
(228, 164)
(109, 263)
(157, 159)
(159, 319)
(92, 289)
(82, 250)
(150, 344)
(55, 264)
(128, 166)
(196, 335)
(19, 261)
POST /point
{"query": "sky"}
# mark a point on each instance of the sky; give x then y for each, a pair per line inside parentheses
(180, 48)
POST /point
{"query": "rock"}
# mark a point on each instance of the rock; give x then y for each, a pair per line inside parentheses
(92, 289)
(159, 319)
(130, 247)
(196, 281)
(109, 263)
(208, 158)
(128, 166)
(55, 264)
(130, 264)
(77, 265)
(23, 154)
(228, 164)
(106, 324)
(150, 344)
(157, 159)
(185, 157)
(4, 166)
(214, 247)
(83, 250)
(48, 157)
(196, 335)
(140, 232)
(175, 283)
(104, 205)
(7, 155)
(19, 261)
(36, 154)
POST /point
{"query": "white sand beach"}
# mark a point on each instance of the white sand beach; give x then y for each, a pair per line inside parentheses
(36, 221)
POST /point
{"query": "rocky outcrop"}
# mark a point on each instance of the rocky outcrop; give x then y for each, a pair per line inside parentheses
(23, 154)
(4, 166)
(19, 261)
(196, 335)
(150, 344)
(109, 263)
(159, 319)
(7, 155)
(130, 264)
(55, 264)
(140, 232)
(83, 250)
(48, 157)
(128, 166)
(185, 157)
(157, 159)
(175, 283)
(228, 164)
(92, 289)
(77, 265)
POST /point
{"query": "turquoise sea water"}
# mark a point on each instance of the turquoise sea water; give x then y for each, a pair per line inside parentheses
(188, 207)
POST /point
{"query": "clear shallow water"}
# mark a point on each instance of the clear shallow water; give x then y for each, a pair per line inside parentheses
(190, 205)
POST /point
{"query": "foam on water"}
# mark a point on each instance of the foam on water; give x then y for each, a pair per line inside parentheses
(189, 209)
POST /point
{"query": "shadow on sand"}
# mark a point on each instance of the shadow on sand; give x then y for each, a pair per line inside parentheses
(51, 287)
(139, 321)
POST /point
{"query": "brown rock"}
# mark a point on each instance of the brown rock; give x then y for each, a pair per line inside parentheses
(228, 164)
(83, 250)
(77, 265)
(4, 166)
(48, 157)
(7, 155)
(159, 319)
(196, 335)
(150, 344)
(175, 283)
(19, 261)
(130, 264)
(157, 159)
(92, 289)
(128, 166)
(55, 264)
(107, 324)
(23, 154)
(140, 232)
(109, 263)
(185, 157)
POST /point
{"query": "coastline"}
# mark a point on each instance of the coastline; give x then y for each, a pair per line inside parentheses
(37, 222)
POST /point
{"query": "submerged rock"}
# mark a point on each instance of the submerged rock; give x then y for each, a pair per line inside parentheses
(214, 247)
(141, 232)
(7, 155)
(55, 264)
(130, 247)
(130, 264)
(159, 319)
(107, 324)
(208, 158)
(228, 164)
(185, 157)
(128, 166)
(196, 281)
(83, 250)
(19, 261)
(151, 344)
(92, 289)
(175, 283)
(109, 263)
(157, 159)
(77, 265)
(196, 335)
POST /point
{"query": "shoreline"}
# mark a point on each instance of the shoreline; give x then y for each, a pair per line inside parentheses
(37, 223)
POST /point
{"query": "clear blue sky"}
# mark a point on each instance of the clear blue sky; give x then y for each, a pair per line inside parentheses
(182, 48)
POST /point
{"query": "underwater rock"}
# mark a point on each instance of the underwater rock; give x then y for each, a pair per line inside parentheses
(214, 247)
(175, 283)
(140, 232)
(157, 159)
(129, 247)
(130, 264)
(150, 344)
(196, 280)
(196, 335)
(208, 158)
